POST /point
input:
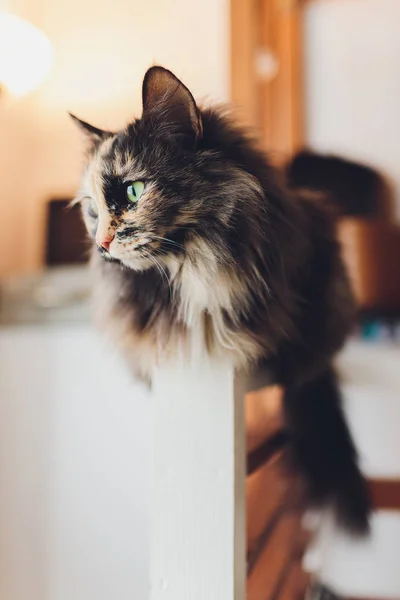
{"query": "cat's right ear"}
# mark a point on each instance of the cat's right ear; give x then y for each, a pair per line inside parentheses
(94, 134)
(168, 101)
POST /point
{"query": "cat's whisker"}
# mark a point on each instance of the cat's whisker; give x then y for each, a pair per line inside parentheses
(156, 264)
(160, 269)
(197, 252)
(157, 237)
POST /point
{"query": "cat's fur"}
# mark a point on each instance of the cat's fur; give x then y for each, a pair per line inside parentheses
(216, 255)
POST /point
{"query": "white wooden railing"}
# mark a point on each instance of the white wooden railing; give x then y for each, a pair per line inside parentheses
(197, 548)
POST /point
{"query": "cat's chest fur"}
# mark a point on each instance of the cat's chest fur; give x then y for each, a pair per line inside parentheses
(187, 309)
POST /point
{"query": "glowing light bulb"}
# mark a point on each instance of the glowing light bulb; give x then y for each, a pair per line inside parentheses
(26, 55)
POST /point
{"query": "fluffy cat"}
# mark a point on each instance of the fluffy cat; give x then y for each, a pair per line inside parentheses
(197, 244)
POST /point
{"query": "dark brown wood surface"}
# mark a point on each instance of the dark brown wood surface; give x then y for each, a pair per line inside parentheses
(385, 494)
(275, 538)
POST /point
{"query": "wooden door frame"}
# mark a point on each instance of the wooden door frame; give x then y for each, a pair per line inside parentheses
(270, 29)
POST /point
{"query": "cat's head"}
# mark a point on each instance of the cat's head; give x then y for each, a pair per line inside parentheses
(166, 185)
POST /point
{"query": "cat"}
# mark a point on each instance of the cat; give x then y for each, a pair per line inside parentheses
(196, 243)
(351, 188)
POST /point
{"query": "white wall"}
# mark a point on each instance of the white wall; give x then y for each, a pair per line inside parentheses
(74, 461)
(352, 62)
(103, 49)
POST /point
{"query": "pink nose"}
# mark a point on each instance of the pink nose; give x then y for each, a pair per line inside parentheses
(105, 241)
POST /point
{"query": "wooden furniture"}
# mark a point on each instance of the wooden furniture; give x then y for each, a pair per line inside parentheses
(275, 538)
(266, 71)
(371, 250)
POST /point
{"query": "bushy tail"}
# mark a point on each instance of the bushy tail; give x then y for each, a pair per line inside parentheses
(322, 448)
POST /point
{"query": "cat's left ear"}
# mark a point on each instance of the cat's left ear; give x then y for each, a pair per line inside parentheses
(94, 134)
(167, 99)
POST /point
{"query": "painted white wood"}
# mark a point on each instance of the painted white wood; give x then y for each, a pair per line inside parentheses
(197, 542)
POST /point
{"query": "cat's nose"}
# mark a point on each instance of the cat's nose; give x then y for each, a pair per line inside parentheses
(104, 241)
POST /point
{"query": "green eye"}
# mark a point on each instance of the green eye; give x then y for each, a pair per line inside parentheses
(92, 210)
(134, 191)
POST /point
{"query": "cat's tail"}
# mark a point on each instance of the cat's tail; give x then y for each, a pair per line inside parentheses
(323, 449)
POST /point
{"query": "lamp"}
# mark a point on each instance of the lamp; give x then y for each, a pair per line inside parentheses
(26, 55)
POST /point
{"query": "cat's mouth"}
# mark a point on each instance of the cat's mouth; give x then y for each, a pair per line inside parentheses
(137, 259)
(139, 263)
(107, 256)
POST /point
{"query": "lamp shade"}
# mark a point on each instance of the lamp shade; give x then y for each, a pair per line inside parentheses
(26, 55)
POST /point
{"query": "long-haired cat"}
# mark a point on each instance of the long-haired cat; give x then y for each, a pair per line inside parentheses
(195, 243)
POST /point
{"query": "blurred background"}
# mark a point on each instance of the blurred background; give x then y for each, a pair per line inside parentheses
(320, 82)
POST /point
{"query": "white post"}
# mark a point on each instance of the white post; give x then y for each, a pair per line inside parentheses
(197, 547)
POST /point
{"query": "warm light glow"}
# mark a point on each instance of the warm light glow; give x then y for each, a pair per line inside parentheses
(26, 55)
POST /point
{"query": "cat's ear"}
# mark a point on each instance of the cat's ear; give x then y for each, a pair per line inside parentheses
(94, 134)
(167, 99)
